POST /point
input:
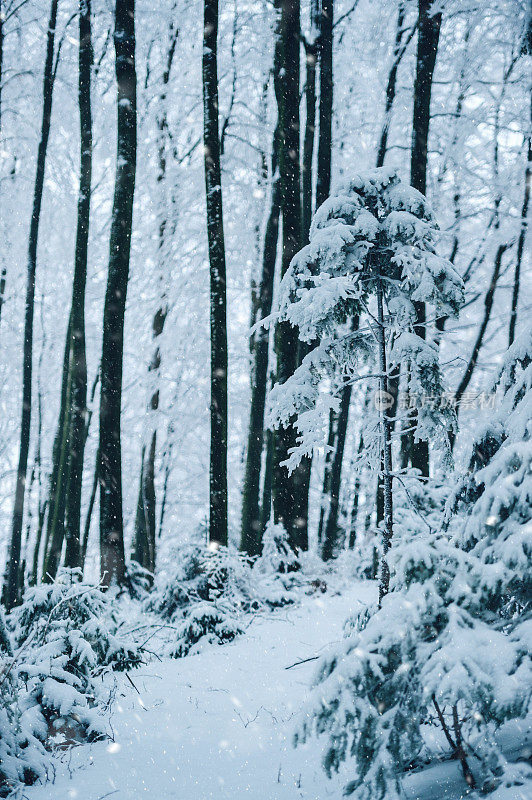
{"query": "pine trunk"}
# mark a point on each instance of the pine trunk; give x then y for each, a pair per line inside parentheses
(429, 25)
(78, 358)
(289, 492)
(112, 557)
(331, 532)
(251, 530)
(323, 175)
(215, 233)
(311, 57)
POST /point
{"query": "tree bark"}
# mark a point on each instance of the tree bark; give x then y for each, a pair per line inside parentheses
(311, 58)
(78, 358)
(4, 269)
(429, 25)
(331, 533)
(251, 529)
(215, 233)
(323, 176)
(398, 52)
(12, 583)
(326, 486)
(112, 558)
(266, 503)
(290, 492)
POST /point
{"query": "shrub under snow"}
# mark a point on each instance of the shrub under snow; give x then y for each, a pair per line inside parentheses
(205, 623)
(67, 638)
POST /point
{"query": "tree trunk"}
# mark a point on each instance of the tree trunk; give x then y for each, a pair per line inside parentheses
(251, 530)
(398, 52)
(333, 471)
(386, 450)
(88, 518)
(145, 522)
(323, 176)
(78, 358)
(488, 305)
(112, 558)
(311, 57)
(4, 270)
(429, 25)
(12, 587)
(55, 529)
(356, 495)
(290, 493)
(326, 486)
(520, 245)
(215, 233)
(266, 504)
(331, 528)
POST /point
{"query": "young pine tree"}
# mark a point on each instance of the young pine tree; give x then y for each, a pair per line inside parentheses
(447, 646)
(371, 257)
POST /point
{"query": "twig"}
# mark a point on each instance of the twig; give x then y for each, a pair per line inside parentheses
(304, 661)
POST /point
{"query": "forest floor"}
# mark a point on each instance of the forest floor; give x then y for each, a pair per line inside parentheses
(220, 724)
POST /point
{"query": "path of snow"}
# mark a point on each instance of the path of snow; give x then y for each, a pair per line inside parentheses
(219, 725)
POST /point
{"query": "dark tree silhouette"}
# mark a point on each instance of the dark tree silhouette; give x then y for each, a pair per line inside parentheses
(215, 234)
(112, 558)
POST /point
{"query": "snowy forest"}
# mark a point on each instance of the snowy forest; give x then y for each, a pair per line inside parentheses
(266, 399)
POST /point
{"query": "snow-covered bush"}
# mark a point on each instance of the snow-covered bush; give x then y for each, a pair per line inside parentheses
(69, 605)
(228, 575)
(67, 637)
(139, 581)
(277, 569)
(450, 644)
(172, 593)
(204, 573)
(22, 758)
(205, 623)
(277, 555)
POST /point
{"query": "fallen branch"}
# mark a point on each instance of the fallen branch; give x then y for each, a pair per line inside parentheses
(304, 661)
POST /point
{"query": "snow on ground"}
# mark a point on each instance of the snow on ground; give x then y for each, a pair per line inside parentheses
(220, 724)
